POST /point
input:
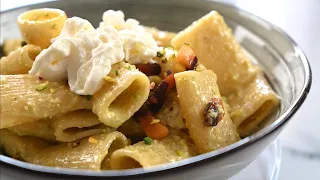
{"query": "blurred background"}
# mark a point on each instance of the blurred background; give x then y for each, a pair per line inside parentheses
(300, 140)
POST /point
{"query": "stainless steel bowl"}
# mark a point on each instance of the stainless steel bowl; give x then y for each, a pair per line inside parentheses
(285, 65)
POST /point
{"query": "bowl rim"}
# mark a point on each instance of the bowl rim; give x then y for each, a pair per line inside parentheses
(196, 160)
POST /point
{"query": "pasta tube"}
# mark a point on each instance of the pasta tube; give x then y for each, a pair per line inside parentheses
(10, 45)
(27, 96)
(21, 147)
(40, 129)
(39, 26)
(216, 48)
(203, 88)
(77, 125)
(251, 105)
(90, 153)
(19, 61)
(176, 146)
(124, 92)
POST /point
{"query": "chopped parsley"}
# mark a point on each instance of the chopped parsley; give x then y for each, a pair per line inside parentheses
(188, 44)
(147, 140)
(42, 86)
(54, 26)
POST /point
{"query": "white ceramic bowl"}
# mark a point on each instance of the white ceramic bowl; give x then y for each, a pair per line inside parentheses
(285, 65)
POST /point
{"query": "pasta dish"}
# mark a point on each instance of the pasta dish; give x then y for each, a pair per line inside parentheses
(124, 95)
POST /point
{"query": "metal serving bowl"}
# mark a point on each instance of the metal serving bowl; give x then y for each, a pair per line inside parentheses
(286, 67)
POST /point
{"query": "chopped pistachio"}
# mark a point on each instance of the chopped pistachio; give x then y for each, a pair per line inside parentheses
(109, 79)
(52, 90)
(147, 140)
(42, 86)
(179, 153)
(92, 140)
(128, 66)
(154, 121)
(235, 77)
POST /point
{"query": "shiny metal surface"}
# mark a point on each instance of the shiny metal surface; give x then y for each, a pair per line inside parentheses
(284, 62)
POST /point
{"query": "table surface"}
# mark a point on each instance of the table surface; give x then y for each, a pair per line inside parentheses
(301, 138)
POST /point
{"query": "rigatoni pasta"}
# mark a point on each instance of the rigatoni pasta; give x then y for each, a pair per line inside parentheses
(77, 125)
(203, 89)
(89, 153)
(20, 60)
(28, 96)
(125, 91)
(39, 26)
(175, 147)
(10, 45)
(117, 97)
(226, 58)
(251, 105)
(21, 147)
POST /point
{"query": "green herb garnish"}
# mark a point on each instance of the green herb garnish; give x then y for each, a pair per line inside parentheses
(42, 86)
(54, 26)
(147, 140)
(188, 44)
